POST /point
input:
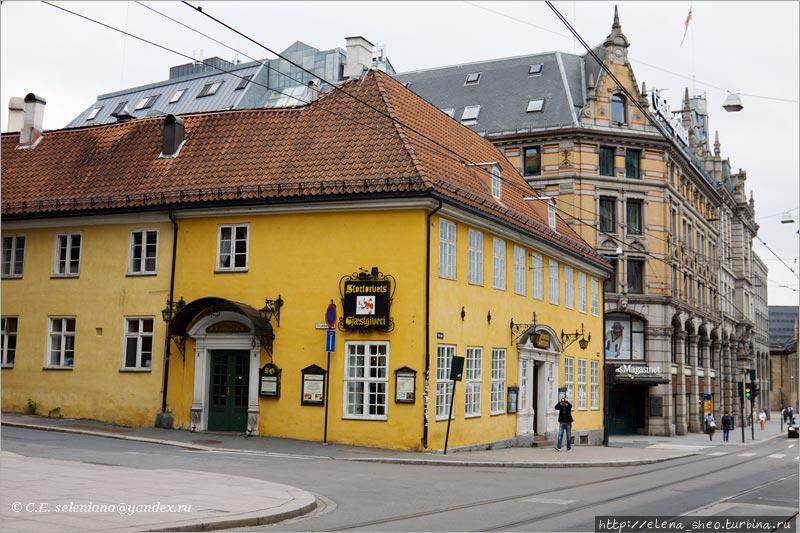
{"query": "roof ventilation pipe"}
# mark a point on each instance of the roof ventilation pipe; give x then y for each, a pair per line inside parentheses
(16, 113)
(174, 136)
(31, 132)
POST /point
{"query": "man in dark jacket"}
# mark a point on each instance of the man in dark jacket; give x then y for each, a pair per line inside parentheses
(727, 426)
(564, 409)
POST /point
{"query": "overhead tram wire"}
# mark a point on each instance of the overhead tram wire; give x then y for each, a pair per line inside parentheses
(644, 111)
(684, 76)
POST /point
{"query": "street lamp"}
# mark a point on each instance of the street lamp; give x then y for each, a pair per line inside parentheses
(172, 308)
(733, 103)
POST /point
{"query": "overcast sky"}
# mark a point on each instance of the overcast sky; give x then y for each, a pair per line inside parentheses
(749, 47)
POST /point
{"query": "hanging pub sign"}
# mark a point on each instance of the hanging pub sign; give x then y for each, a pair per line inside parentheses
(542, 341)
(313, 391)
(405, 385)
(366, 301)
(270, 383)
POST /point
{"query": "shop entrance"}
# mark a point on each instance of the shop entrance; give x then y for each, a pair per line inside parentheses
(628, 410)
(228, 391)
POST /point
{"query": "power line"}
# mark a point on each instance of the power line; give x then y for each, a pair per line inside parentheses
(684, 76)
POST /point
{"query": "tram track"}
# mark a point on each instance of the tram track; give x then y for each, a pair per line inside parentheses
(533, 519)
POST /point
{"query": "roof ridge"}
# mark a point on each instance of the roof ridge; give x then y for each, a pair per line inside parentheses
(407, 143)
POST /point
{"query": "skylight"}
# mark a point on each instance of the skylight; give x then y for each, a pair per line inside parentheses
(120, 107)
(146, 102)
(473, 78)
(243, 82)
(449, 111)
(535, 69)
(210, 88)
(177, 95)
(93, 113)
(470, 113)
(535, 105)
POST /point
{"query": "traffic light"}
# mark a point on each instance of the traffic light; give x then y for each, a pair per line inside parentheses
(756, 390)
(748, 391)
(739, 388)
(752, 373)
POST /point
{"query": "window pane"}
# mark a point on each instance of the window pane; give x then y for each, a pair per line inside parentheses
(147, 325)
(241, 232)
(617, 109)
(608, 214)
(632, 163)
(533, 161)
(70, 325)
(634, 217)
(133, 326)
(606, 161)
(130, 352)
(635, 275)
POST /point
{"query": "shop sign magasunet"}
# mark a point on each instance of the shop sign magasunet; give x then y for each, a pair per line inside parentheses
(639, 373)
(366, 304)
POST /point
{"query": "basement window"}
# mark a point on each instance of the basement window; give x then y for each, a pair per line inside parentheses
(243, 82)
(535, 69)
(470, 114)
(473, 78)
(93, 113)
(146, 102)
(210, 88)
(535, 105)
(177, 96)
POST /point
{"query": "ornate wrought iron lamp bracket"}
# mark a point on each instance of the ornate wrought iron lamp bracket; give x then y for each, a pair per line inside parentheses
(569, 338)
(518, 330)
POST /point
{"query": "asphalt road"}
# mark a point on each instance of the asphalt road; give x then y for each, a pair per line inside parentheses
(756, 480)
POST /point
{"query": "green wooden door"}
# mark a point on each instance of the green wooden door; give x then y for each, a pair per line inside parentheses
(227, 406)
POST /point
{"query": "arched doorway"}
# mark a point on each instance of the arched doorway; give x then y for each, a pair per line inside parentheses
(539, 353)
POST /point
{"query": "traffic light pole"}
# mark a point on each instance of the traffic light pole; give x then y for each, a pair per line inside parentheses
(752, 422)
(741, 414)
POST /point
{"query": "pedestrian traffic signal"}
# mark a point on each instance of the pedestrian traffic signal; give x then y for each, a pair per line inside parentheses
(748, 391)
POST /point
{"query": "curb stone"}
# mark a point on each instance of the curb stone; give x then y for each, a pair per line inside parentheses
(244, 522)
(516, 464)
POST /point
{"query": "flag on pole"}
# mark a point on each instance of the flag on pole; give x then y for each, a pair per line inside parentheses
(686, 25)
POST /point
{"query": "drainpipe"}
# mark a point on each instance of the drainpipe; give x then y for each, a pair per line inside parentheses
(426, 391)
(171, 295)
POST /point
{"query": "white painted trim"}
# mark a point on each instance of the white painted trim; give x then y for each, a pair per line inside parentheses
(14, 237)
(69, 236)
(62, 348)
(204, 343)
(233, 228)
(144, 231)
(364, 379)
(139, 367)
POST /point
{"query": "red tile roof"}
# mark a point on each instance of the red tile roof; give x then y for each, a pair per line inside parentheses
(332, 147)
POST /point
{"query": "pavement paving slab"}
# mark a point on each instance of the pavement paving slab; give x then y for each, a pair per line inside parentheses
(77, 496)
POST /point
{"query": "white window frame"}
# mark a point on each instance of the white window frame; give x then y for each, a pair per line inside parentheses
(63, 334)
(56, 259)
(552, 288)
(444, 385)
(537, 287)
(551, 213)
(582, 384)
(594, 378)
(595, 297)
(12, 273)
(496, 187)
(535, 106)
(569, 287)
(143, 270)
(581, 292)
(473, 377)
(366, 380)
(447, 249)
(472, 117)
(569, 378)
(499, 263)
(475, 257)
(498, 391)
(139, 335)
(520, 274)
(233, 228)
(93, 113)
(177, 95)
(4, 340)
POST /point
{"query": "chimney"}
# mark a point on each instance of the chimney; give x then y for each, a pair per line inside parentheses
(16, 112)
(173, 136)
(359, 57)
(31, 132)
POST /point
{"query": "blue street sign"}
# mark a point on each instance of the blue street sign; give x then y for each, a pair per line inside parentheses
(330, 340)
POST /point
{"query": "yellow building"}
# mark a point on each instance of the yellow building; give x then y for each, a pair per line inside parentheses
(251, 224)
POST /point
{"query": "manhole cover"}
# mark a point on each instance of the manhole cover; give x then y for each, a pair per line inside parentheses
(206, 441)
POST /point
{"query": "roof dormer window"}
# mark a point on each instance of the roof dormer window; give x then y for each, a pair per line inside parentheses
(470, 114)
(146, 102)
(496, 181)
(535, 105)
(210, 88)
(618, 109)
(535, 69)
(177, 96)
(93, 113)
(473, 78)
(120, 108)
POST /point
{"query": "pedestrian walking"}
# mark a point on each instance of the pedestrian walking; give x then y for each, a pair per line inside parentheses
(727, 426)
(711, 425)
(564, 409)
(762, 420)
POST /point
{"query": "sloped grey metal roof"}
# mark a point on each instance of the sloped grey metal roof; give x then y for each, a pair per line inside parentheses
(782, 324)
(504, 90)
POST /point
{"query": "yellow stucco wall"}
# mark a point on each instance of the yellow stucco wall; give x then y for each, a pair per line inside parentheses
(99, 299)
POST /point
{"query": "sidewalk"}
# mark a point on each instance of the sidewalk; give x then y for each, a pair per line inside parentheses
(580, 456)
(39, 495)
(700, 440)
